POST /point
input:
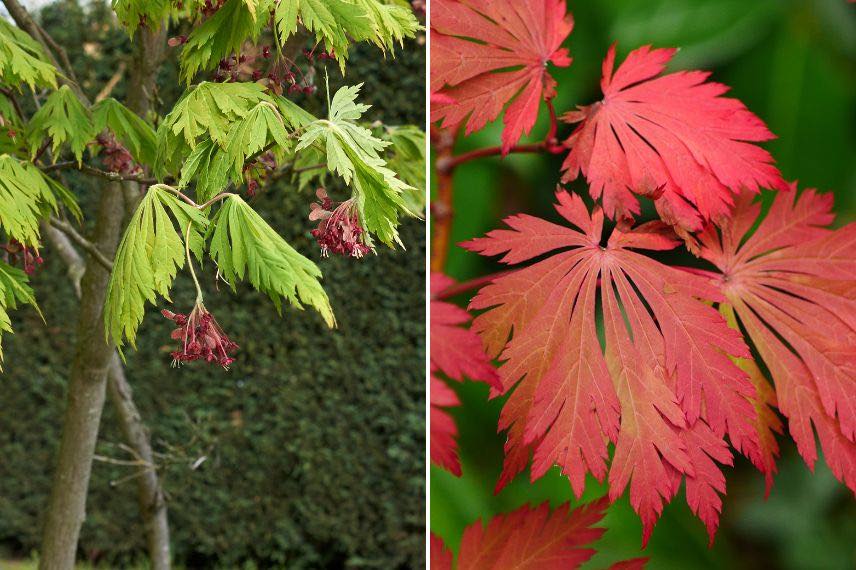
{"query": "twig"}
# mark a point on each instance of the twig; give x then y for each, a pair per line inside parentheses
(441, 208)
(11, 96)
(447, 162)
(81, 241)
(111, 84)
(454, 161)
(87, 169)
(125, 462)
(311, 167)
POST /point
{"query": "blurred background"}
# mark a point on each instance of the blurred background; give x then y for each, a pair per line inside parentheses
(310, 451)
(793, 62)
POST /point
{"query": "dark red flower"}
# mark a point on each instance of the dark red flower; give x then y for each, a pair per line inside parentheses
(339, 230)
(30, 258)
(200, 337)
(116, 157)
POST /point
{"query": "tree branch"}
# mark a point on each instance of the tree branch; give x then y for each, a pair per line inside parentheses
(81, 241)
(87, 169)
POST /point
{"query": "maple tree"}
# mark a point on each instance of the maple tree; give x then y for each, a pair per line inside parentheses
(611, 363)
(185, 176)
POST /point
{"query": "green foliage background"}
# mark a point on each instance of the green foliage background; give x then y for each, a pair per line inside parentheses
(793, 62)
(313, 442)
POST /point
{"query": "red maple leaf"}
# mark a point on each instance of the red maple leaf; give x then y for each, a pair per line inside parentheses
(487, 53)
(791, 284)
(664, 388)
(457, 353)
(673, 138)
(530, 539)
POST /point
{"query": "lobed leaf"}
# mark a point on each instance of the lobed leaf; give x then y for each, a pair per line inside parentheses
(673, 138)
(128, 127)
(406, 157)
(135, 13)
(353, 153)
(26, 197)
(22, 59)
(149, 256)
(207, 112)
(221, 35)
(62, 119)
(791, 285)
(662, 388)
(456, 352)
(244, 246)
(14, 289)
(530, 539)
(485, 55)
(336, 23)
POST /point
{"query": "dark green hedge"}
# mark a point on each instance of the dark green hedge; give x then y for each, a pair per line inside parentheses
(314, 440)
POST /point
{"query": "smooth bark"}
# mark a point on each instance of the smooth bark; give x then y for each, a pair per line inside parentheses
(86, 391)
(151, 499)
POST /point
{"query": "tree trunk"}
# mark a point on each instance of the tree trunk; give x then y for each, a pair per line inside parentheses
(86, 390)
(94, 358)
(151, 498)
(153, 508)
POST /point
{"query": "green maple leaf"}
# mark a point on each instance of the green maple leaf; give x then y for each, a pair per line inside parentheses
(206, 112)
(64, 120)
(406, 156)
(22, 59)
(337, 22)
(133, 13)
(222, 35)
(14, 289)
(131, 130)
(244, 246)
(27, 196)
(353, 153)
(149, 256)
(214, 167)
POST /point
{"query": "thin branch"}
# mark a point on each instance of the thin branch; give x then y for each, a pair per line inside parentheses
(453, 162)
(65, 249)
(111, 84)
(87, 169)
(308, 168)
(81, 241)
(441, 208)
(125, 462)
(68, 69)
(11, 96)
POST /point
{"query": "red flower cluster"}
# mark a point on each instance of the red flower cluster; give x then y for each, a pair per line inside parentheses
(116, 157)
(201, 338)
(15, 250)
(339, 230)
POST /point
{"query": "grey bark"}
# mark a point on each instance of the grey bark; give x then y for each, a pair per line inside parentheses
(152, 502)
(86, 391)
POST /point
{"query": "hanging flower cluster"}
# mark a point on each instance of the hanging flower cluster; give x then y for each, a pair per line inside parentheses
(15, 250)
(339, 230)
(200, 338)
(116, 157)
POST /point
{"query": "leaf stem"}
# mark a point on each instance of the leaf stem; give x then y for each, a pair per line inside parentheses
(81, 241)
(190, 264)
